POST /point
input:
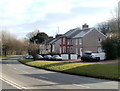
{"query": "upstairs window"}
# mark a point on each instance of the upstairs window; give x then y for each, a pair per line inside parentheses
(68, 42)
(76, 41)
(80, 41)
(99, 40)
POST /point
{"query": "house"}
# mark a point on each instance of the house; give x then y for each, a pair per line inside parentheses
(77, 41)
(52, 45)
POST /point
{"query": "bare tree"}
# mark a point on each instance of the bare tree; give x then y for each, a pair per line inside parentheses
(10, 44)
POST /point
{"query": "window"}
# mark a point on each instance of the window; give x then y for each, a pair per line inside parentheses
(99, 40)
(76, 42)
(76, 50)
(64, 49)
(100, 49)
(68, 42)
(81, 51)
(80, 41)
(60, 50)
(71, 42)
(71, 49)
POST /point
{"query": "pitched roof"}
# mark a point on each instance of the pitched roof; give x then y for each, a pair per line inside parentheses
(51, 41)
(72, 32)
(48, 41)
(83, 32)
(54, 40)
(77, 32)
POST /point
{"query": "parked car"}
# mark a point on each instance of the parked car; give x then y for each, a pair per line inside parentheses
(47, 57)
(89, 56)
(39, 57)
(56, 57)
(29, 57)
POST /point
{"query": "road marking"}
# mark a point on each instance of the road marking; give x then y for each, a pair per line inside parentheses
(81, 85)
(12, 83)
(17, 69)
(43, 77)
(25, 72)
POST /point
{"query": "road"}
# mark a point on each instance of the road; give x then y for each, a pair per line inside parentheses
(6, 85)
(25, 77)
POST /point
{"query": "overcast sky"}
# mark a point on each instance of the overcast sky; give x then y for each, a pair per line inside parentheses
(23, 16)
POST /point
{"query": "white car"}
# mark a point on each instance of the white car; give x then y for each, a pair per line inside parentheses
(29, 57)
(56, 57)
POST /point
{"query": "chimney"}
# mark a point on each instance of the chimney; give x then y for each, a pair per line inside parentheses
(50, 37)
(85, 26)
(58, 35)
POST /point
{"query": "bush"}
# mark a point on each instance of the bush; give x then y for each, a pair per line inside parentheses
(111, 47)
(53, 53)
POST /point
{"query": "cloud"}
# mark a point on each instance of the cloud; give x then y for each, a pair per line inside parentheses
(28, 15)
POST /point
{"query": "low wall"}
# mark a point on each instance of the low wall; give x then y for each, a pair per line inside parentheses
(64, 56)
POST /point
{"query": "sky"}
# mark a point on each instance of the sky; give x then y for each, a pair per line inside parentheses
(20, 17)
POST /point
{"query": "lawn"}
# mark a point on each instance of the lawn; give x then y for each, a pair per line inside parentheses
(109, 71)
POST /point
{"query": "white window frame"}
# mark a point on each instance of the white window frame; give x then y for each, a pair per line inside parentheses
(60, 49)
(81, 49)
(99, 49)
(80, 41)
(76, 41)
(76, 50)
(68, 41)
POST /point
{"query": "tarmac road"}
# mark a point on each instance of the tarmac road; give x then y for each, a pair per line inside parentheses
(25, 77)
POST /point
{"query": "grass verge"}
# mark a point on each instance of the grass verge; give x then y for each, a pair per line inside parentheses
(105, 71)
(11, 55)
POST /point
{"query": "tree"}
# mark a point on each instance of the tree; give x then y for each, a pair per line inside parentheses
(34, 40)
(6, 42)
(10, 44)
(39, 38)
(111, 47)
(103, 27)
(33, 50)
(112, 44)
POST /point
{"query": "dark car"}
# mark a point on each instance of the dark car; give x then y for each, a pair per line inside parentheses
(47, 57)
(87, 56)
(56, 57)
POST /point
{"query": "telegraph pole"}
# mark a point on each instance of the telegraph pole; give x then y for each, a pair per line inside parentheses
(118, 17)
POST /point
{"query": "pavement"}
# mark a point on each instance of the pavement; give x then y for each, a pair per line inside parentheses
(25, 77)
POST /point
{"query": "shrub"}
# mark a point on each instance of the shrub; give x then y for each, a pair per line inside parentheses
(111, 47)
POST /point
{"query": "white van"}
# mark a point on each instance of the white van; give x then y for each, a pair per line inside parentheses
(100, 55)
(90, 56)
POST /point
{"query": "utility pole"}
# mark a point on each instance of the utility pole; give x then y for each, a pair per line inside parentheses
(118, 17)
(58, 29)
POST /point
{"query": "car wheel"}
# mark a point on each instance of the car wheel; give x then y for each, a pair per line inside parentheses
(98, 59)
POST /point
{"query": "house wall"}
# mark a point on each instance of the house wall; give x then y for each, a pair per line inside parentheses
(57, 46)
(91, 41)
(66, 45)
(77, 45)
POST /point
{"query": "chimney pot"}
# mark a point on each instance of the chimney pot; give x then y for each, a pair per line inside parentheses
(85, 26)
